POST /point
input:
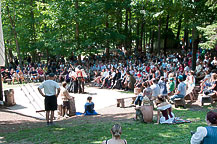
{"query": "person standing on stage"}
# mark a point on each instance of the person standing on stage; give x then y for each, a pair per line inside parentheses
(80, 77)
(50, 95)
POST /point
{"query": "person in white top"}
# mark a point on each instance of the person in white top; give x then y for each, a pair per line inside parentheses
(155, 89)
(208, 134)
(50, 95)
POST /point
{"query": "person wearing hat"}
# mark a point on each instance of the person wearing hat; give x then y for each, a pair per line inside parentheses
(171, 86)
(181, 90)
(50, 94)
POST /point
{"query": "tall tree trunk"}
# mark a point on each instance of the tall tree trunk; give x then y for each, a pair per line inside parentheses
(179, 28)
(45, 31)
(107, 41)
(126, 30)
(186, 32)
(158, 36)
(144, 41)
(195, 43)
(166, 36)
(77, 34)
(141, 36)
(152, 42)
(6, 56)
(15, 37)
(130, 32)
(119, 25)
(137, 36)
(33, 41)
(10, 54)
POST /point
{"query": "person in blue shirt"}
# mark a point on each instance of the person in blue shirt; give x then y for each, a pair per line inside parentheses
(89, 107)
(181, 90)
(208, 134)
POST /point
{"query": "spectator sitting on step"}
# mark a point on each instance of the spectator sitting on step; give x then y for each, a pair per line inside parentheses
(181, 89)
(155, 89)
(89, 107)
(129, 82)
(163, 87)
(116, 136)
(213, 87)
(171, 86)
(208, 134)
(205, 82)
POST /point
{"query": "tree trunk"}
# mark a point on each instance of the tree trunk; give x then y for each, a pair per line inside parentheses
(6, 56)
(179, 28)
(186, 40)
(137, 36)
(126, 30)
(166, 36)
(144, 42)
(152, 42)
(15, 37)
(130, 32)
(77, 33)
(158, 36)
(33, 41)
(107, 41)
(10, 54)
(195, 43)
(141, 36)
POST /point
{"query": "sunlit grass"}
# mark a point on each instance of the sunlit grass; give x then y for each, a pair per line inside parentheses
(95, 133)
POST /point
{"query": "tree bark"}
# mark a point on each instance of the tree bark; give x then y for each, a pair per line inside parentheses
(152, 42)
(166, 36)
(34, 53)
(77, 34)
(195, 43)
(107, 41)
(15, 37)
(137, 36)
(6, 56)
(179, 28)
(141, 36)
(126, 30)
(159, 38)
(186, 40)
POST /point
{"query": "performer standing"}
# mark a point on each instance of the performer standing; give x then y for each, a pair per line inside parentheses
(50, 95)
(80, 77)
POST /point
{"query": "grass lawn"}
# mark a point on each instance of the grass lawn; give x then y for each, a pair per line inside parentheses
(77, 132)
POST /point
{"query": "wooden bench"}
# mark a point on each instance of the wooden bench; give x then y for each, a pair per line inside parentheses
(121, 103)
(179, 102)
(9, 81)
(206, 99)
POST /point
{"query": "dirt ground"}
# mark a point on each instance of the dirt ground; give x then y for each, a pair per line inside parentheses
(12, 122)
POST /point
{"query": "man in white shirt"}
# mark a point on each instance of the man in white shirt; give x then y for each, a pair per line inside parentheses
(155, 88)
(50, 95)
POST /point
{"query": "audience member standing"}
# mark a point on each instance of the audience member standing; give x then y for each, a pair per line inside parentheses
(50, 95)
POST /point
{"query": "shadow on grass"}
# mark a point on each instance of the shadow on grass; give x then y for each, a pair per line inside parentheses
(95, 129)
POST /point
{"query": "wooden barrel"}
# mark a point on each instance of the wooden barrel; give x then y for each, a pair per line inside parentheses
(147, 112)
(72, 109)
(9, 97)
(137, 91)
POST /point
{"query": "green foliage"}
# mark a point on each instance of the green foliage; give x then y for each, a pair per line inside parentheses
(210, 34)
(49, 26)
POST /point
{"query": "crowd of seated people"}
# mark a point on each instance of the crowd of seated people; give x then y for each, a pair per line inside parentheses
(122, 72)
